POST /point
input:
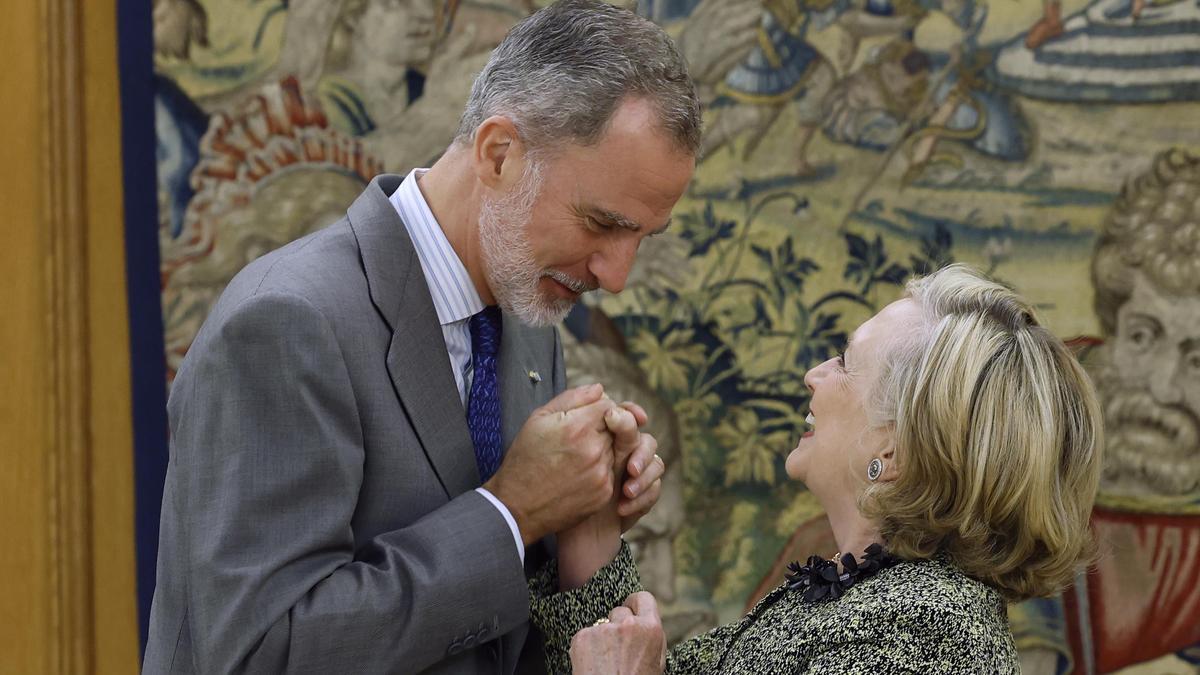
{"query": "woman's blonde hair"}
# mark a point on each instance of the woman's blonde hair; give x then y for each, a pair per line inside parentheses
(998, 436)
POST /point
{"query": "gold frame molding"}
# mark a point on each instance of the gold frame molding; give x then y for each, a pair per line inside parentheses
(67, 457)
(67, 569)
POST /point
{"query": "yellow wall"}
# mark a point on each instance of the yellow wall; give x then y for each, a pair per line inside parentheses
(24, 615)
(66, 479)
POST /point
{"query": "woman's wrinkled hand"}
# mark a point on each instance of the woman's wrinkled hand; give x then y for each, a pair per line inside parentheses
(632, 642)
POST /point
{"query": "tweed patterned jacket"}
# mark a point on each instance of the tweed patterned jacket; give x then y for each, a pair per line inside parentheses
(923, 617)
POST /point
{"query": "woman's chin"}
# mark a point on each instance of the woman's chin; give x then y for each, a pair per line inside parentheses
(796, 464)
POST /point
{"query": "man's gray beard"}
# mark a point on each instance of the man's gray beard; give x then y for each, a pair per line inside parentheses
(1169, 467)
(511, 271)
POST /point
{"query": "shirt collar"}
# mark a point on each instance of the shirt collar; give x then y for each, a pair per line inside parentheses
(453, 292)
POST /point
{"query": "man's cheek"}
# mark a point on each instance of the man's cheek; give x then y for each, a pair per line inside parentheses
(1191, 399)
(1131, 364)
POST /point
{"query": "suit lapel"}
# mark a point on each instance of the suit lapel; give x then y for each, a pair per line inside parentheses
(524, 380)
(522, 649)
(420, 370)
(417, 361)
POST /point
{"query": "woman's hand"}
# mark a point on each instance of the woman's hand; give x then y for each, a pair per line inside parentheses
(631, 642)
(644, 470)
(594, 542)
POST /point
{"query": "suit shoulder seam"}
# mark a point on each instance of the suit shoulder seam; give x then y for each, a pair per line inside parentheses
(276, 262)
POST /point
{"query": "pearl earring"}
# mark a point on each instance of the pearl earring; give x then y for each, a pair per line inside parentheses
(875, 469)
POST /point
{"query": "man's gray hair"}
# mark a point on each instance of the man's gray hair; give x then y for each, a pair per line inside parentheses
(561, 73)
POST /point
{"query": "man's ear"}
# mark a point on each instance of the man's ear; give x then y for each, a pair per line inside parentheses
(498, 155)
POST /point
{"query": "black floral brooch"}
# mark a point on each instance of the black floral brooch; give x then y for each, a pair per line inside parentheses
(819, 578)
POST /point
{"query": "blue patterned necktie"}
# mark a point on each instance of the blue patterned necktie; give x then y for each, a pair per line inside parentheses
(483, 406)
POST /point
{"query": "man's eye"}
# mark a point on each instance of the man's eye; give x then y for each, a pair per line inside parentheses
(1142, 337)
(1192, 362)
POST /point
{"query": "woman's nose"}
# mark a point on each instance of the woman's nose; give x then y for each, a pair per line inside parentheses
(812, 376)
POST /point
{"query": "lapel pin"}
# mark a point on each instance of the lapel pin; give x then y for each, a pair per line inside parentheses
(534, 376)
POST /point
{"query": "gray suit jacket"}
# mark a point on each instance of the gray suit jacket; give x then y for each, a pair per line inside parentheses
(319, 513)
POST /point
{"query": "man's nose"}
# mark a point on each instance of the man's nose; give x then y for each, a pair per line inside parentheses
(611, 267)
(1164, 382)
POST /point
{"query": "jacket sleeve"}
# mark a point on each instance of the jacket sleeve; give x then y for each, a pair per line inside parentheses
(560, 615)
(267, 462)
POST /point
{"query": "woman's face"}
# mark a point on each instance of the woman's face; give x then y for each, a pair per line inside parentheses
(833, 455)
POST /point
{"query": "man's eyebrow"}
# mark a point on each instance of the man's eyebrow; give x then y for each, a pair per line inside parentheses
(1144, 317)
(610, 217)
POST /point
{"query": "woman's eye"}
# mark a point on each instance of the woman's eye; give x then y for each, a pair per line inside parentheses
(841, 359)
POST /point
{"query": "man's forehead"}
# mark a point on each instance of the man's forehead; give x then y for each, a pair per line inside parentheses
(634, 161)
(1174, 310)
(1146, 290)
(631, 188)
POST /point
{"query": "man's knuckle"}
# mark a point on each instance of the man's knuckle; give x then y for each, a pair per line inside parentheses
(575, 433)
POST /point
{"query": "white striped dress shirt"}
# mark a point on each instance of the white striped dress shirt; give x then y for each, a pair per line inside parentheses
(454, 297)
(454, 294)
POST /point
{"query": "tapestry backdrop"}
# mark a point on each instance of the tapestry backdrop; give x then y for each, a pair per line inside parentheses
(849, 145)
